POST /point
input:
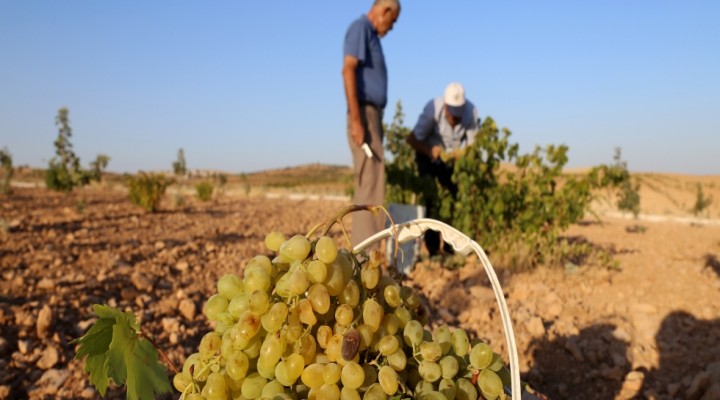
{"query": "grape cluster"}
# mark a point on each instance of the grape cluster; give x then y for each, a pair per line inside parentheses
(317, 323)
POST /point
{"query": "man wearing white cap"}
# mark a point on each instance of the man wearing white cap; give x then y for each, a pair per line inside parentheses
(446, 124)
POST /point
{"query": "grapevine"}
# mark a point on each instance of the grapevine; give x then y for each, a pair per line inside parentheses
(318, 321)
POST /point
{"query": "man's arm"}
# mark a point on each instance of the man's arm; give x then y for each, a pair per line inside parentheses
(349, 74)
(431, 151)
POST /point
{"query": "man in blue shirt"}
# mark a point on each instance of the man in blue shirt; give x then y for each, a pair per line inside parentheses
(447, 124)
(365, 80)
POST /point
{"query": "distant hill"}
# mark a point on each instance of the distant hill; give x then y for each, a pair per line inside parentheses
(301, 175)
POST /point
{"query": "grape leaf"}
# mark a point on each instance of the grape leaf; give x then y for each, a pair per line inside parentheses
(115, 350)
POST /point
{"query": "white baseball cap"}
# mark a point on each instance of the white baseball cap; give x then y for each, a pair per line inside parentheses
(454, 95)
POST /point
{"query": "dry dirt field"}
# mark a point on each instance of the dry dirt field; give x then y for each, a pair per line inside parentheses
(650, 329)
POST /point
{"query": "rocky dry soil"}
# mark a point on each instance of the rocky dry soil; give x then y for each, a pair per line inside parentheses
(650, 329)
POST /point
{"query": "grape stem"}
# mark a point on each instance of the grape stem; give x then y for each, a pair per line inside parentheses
(162, 353)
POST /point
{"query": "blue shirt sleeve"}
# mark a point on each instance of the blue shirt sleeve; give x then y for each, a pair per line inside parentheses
(426, 122)
(356, 41)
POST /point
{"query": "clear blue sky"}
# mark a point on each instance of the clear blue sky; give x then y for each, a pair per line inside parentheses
(251, 85)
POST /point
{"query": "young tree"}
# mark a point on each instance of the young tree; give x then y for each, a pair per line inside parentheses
(701, 201)
(98, 166)
(63, 172)
(7, 166)
(617, 176)
(179, 167)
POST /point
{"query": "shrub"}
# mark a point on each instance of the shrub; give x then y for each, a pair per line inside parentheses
(8, 170)
(204, 190)
(147, 190)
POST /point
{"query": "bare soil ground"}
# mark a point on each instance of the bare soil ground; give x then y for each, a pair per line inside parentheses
(650, 329)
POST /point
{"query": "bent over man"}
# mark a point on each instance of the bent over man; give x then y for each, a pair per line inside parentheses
(446, 124)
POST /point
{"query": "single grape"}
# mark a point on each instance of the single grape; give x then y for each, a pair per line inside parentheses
(481, 356)
(273, 320)
(349, 394)
(299, 282)
(460, 342)
(391, 294)
(430, 371)
(259, 302)
(390, 324)
(352, 375)
(312, 375)
(236, 366)
(332, 373)
(273, 240)
(253, 385)
(344, 315)
(490, 384)
(317, 271)
(306, 347)
(370, 277)
(465, 390)
(215, 304)
(389, 344)
(326, 250)
(375, 392)
(272, 389)
(413, 333)
(350, 294)
(181, 381)
(296, 248)
(397, 360)
(372, 314)
(256, 278)
(230, 285)
(261, 261)
(239, 304)
(388, 380)
(335, 279)
(449, 366)
(307, 315)
(430, 351)
(319, 298)
(447, 388)
(328, 391)
(210, 345)
(324, 333)
(443, 337)
(215, 387)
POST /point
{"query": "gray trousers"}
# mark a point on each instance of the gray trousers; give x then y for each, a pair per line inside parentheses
(368, 175)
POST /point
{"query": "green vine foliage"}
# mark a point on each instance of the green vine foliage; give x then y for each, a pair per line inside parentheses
(515, 205)
(404, 185)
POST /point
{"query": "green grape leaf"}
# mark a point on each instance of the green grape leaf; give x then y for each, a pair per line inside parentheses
(115, 350)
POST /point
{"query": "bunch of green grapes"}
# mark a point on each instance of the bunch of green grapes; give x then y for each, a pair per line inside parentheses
(315, 322)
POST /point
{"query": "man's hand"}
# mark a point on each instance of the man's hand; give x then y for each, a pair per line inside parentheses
(435, 152)
(452, 155)
(358, 132)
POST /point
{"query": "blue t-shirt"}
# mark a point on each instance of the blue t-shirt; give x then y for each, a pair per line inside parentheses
(363, 43)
